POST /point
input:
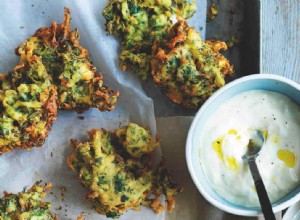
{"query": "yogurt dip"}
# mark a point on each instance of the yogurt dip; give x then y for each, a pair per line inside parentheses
(225, 138)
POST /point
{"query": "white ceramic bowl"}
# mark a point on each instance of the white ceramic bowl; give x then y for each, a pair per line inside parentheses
(252, 82)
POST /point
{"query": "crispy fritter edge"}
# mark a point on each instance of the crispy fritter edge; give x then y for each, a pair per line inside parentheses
(50, 111)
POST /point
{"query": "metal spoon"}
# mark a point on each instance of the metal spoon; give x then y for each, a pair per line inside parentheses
(254, 146)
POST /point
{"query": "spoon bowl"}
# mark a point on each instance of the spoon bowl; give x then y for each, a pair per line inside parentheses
(256, 141)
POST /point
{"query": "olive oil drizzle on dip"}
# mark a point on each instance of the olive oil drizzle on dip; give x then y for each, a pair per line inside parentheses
(226, 136)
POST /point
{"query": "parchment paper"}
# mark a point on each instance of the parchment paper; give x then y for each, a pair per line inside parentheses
(18, 20)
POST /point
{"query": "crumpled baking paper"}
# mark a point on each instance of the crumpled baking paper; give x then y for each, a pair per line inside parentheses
(19, 19)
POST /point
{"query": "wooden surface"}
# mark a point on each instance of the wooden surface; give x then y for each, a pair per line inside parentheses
(280, 38)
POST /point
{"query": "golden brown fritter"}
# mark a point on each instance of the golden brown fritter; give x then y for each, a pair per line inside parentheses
(186, 68)
(136, 140)
(115, 180)
(27, 106)
(79, 86)
(138, 23)
(27, 205)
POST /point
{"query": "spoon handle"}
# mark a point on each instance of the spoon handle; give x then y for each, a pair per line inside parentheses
(265, 203)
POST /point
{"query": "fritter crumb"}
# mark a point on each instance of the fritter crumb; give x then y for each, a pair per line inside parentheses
(233, 41)
(212, 13)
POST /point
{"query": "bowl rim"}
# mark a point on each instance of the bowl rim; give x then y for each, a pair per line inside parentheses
(189, 147)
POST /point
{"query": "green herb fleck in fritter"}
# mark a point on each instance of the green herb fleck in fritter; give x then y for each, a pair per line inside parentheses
(26, 205)
(136, 140)
(118, 181)
(186, 68)
(139, 23)
(79, 86)
(27, 106)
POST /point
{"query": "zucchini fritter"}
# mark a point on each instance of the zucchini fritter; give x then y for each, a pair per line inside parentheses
(139, 23)
(136, 140)
(186, 68)
(27, 106)
(26, 205)
(116, 181)
(79, 86)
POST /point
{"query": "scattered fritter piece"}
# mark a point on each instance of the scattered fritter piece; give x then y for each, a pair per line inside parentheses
(27, 106)
(79, 86)
(186, 68)
(212, 12)
(233, 41)
(26, 205)
(115, 181)
(139, 23)
(136, 140)
(81, 217)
